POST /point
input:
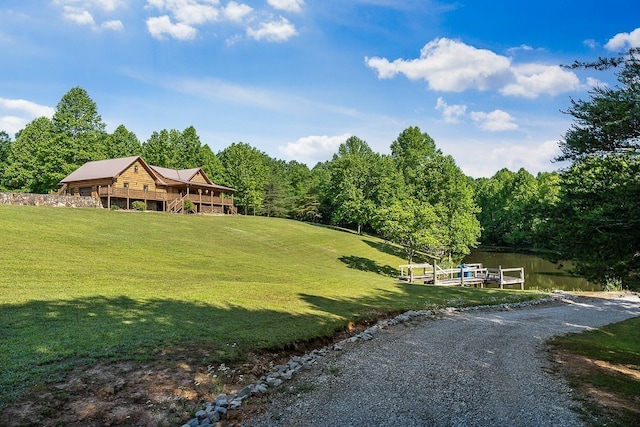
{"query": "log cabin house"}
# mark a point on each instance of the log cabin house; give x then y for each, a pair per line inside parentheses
(120, 182)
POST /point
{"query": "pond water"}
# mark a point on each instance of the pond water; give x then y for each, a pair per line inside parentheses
(539, 274)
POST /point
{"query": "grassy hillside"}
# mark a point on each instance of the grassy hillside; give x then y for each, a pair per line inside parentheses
(83, 285)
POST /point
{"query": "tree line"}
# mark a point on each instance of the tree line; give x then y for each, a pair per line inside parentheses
(589, 212)
(415, 196)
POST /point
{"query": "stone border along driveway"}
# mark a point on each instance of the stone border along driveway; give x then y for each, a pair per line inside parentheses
(424, 375)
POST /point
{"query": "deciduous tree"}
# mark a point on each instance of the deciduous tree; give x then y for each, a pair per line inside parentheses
(414, 225)
(245, 170)
(5, 148)
(23, 164)
(597, 218)
(352, 187)
(122, 143)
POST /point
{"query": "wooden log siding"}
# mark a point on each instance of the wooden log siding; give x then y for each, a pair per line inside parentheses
(137, 177)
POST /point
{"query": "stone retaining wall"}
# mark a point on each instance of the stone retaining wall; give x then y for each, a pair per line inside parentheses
(49, 200)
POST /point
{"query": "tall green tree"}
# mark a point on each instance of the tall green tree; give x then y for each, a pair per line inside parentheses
(352, 187)
(23, 164)
(122, 143)
(188, 149)
(433, 178)
(48, 150)
(597, 220)
(414, 225)
(78, 137)
(513, 207)
(211, 165)
(5, 148)
(411, 151)
(315, 205)
(247, 172)
(158, 150)
(450, 191)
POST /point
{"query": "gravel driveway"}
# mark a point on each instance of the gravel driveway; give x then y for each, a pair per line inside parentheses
(473, 368)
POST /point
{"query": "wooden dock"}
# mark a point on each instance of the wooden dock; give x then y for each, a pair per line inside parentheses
(465, 275)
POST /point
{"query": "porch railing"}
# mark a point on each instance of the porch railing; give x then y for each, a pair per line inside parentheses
(162, 196)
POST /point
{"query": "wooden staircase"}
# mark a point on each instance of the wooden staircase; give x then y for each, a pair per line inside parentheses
(177, 205)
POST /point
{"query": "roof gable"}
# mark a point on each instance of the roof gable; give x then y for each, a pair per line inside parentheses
(182, 175)
(101, 169)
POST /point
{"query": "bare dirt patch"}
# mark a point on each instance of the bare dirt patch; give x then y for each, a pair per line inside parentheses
(130, 393)
(605, 295)
(605, 405)
(162, 393)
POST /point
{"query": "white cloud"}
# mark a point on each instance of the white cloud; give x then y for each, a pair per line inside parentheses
(12, 124)
(495, 121)
(452, 66)
(109, 5)
(79, 16)
(236, 11)
(313, 149)
(115, 25)
(78, 11)
(446, 65)
(31, 108)
(287, 5)
(522, 47)
(273, 31)
(451, 113)
(532, 158)
(193, 13)
(182, 18)
(531, 80)
(624, 40)
(16, 113)
(106, 5)
(162, 25)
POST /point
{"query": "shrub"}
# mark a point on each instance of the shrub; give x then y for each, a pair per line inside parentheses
(189, 207)
(114, 207)
(139, 205)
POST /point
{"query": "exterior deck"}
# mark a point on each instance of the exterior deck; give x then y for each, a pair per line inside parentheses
(166, 202)
(465, 275)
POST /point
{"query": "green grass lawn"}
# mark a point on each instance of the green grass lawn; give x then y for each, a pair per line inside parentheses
(612, 359)
(80, 285)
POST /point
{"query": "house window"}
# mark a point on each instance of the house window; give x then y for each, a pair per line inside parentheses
(126, 185)
(135, 169)
(145, 188)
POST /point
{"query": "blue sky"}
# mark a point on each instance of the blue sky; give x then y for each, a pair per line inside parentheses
(295, 78)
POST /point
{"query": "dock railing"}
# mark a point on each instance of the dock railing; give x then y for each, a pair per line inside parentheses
(464, 275)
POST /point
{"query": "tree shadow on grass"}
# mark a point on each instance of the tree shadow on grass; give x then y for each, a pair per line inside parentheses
(395, 250)
(403, 297)
(386, 248)
(42, 342)
(368, 265)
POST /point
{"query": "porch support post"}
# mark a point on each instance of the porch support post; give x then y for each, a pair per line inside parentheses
(435, 276)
